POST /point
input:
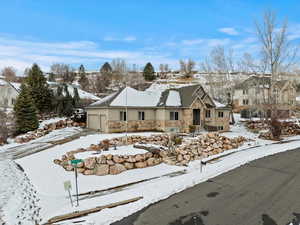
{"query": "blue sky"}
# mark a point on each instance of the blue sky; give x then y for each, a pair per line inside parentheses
(161, 31)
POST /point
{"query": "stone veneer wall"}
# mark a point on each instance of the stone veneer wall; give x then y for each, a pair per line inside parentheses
(132, 126)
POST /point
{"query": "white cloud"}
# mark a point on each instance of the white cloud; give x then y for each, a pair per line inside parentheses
(123, 39)
(207, 42)
(193, 42)
(22, 54)
(229, 30)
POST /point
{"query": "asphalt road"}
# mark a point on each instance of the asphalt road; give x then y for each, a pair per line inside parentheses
(266, 192)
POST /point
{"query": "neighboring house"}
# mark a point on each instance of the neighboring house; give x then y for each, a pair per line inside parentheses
(173, 110)
(252, 97)
(8, 94)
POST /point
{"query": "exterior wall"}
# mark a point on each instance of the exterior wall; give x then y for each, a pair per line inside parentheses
(216, 121)
(99, 113)
(8, 96)
(133, 123)
(157, 119)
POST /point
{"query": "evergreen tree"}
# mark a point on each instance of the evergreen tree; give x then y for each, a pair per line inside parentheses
(51, 77)
(83, 80)
(106, 68)
(76, 98)
(68, 102)
(59, 101)
(149, 73)
(39, 89)
(25, 112)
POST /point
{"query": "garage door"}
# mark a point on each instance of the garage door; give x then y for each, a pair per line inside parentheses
(94, 122)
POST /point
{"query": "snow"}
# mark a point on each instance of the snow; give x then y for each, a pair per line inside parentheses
(218, 104)
(135, 98)
(173, 98)
(14, 189)
(54, 199)
(120, 150)
(3, 82)
(17, 86)
(82, 94)
(160, 87)
(52, 120)
(104, 99)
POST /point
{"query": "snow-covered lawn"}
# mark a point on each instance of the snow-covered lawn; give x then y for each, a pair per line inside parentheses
(48, 178)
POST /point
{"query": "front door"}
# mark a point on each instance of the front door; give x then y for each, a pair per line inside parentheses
(196, 117)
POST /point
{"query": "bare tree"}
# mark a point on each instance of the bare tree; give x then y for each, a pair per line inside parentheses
(219, 68)
(63, 71)
(187, 67)
(164, 69)
(119, 66)
(9, 73)
(277, 52)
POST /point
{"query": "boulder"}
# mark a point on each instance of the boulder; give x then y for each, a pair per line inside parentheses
(90, 162)
(89, 172)
(101, 159)
(118, 159)
(110, 162)
(57, 161)
(101, 169)
(151, 161)
(129, 165)
(116, 169)
(80, 170)
(140, 164)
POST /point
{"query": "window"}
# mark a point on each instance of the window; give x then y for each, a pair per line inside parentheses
(207, 113)
(174, 116)
(245, 92)
(123, 116)
(245, 101)
(220, 128)
(141, 115)
(221, 114)
(13, 101)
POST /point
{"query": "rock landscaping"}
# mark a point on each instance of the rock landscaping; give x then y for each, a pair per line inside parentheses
(46, 130)
(287, 129)
(161, 149)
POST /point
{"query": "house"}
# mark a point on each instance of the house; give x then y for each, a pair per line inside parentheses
(8, 93)
(171, 110)
(252, 96)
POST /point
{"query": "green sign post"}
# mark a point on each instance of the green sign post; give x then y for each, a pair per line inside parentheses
(74, 163)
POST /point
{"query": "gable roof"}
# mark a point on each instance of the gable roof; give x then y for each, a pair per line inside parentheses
(174, 97)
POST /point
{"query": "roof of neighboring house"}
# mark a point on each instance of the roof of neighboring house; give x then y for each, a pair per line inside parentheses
(14, 85)
(174, 97)
(82, 94)
(254, 80)
(260, 80)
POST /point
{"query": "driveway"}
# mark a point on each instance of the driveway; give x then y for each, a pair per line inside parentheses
(265, 191)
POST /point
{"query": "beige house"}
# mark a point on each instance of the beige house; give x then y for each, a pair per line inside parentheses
(173, 110)
(8, 93)
(253, 95)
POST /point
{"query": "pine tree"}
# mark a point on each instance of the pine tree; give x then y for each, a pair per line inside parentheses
(25, 112)
(59, 101)
(106, 68)
(83, 80)
(68, 102)
(76, 98)
(149, 73)
(39, 89)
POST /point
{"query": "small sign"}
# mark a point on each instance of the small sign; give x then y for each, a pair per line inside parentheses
(76, 161)
(67, 185)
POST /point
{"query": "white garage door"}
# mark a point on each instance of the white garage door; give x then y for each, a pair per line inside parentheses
(94, 122)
